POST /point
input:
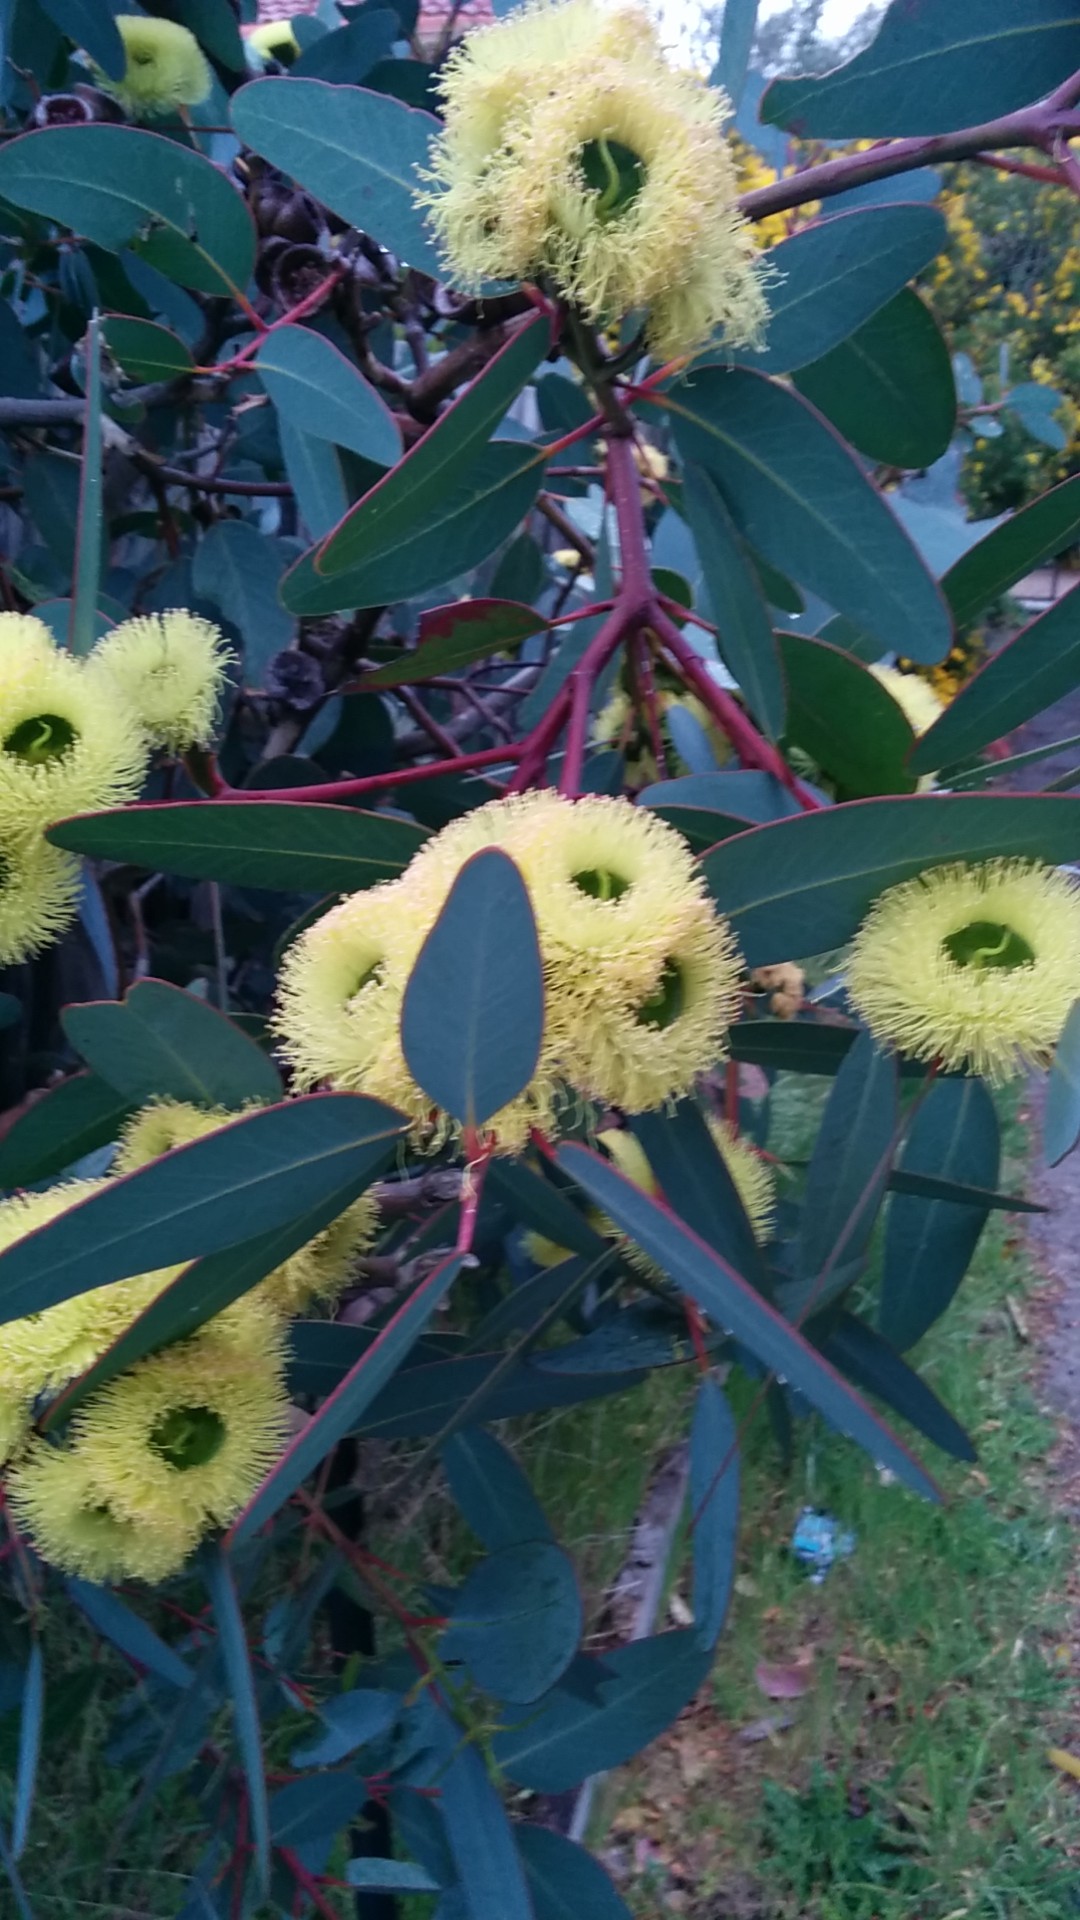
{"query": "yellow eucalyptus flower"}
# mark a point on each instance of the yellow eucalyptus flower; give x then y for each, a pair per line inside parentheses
(916, 699)
(170, 670)
(973, 966)
(53, 1497)
(14, 1423)
(39, 893)
(573, 152)
(23, 637)
(165, 68)
(67, 745)
(274, 40)
(184, 1439)
(751, 1174)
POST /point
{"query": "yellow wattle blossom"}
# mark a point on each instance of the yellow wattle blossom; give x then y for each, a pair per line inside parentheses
(67, 745)
(973, 966)
(317, 1273)
(169, 669)
(184, 1439)
(574, 154)
(54, 1498)
(165, 68)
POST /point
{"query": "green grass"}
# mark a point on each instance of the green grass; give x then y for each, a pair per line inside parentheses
(913, 1780)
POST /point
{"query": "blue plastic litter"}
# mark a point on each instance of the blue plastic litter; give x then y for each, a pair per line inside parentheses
(819, 1541)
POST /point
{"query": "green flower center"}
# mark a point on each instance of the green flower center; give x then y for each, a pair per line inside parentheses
(600, 883)
(988, 943)
(188, 1437)
(614, 173)
(663, 1007)
(374, 973)
(44, 737)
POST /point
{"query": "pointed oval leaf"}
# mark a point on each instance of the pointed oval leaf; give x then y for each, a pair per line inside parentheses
(455, 636)
(876, 1367)
(139, 1643)
(92, 28)
(516, 1621)
(728, 1301)
(566, 1882)
(607, 1710)
(403, 501)
(929, 1243)
(316, 476)
(492, 1493)
(235, 1654)
(144, 350)
(799, 496)
(803, 885)
(359, 153)
(238, 568)
(845, 719)
(745, 636)
(349, 1720)
(472, 1019)
(30, 1728)
(693, 1176)
(162, 1043)
(315, 388)
(70, 1120)
(714, 1508)
(1022, 541)
(298, 848)
(889, 387)
(837, 272)
(268, 1167)
(1038, 666)
(479, 509)
(850, 1162)
(932, 69)
(492, 1883)
(736, 40)
(120, 185)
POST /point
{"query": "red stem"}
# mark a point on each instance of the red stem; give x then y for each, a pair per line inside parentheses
(753, 750)
(472, 1190)
(307, 305)
(331, 790)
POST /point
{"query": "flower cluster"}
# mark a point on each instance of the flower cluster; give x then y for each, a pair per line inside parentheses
(972, 966)
(76, 735)
(641, 974)
(165, 69)
(177, 1444)
(575, 155)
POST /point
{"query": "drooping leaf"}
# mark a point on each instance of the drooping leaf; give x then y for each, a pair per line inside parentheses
(745, 636)
(472, 1019)
(69, 1120)
(162, 1043)
(238, 568)
(889, 387)
(341, 1412)
(349, 1720)
(608, 1710)
(566, 1882)
(298, 848)
(478, 509)
(93, 28)
(736, 39)
(30, 1731)
(929, 1243)
(389, 516)
(1040, 665)
(539, 1204)
(1037, 408)
(237, 1660)
(357, 152)
(455, 636)
(491, 1875)
(348, 53)
(316, 476)
(1024, 540)
(803, 885)
(694, 1179)
(850, 1161)
(1061, 1118)
(875, 1366)
(516, 1621)
(732, 1304)
(86, 573)
(145, 350)
(317, 390)
(270, 1166)
(800, 498)
(121, 186)
(834, 274)
(492, 1493)
(109, 1616)
(845, 719)
(934, 69)
(714, 1508)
